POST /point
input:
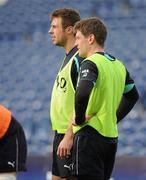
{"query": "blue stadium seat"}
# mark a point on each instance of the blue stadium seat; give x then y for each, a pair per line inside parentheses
(29, 63)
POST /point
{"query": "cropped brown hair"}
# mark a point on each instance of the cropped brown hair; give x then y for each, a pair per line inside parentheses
(92, 26)
(69, 16)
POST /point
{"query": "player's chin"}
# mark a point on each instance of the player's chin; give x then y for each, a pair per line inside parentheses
(54, 42)
(81, 54)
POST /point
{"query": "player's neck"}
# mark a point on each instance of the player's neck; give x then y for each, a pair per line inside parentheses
(94, 49)
(70, 43)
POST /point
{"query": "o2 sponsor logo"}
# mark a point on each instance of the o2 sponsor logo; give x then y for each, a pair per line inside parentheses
(61, 83)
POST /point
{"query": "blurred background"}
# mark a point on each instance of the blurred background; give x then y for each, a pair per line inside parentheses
(29, 63)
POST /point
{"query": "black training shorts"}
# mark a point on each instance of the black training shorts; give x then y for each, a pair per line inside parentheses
(93, 154)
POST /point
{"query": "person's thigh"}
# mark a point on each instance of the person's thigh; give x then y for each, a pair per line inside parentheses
(93, 154)
(110, 153)
(87, 157)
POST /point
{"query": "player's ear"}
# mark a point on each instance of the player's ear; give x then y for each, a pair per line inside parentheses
(70, 29)
(91, 38)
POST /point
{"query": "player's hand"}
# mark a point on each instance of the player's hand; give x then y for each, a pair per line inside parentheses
(64, 147)
(88, 117)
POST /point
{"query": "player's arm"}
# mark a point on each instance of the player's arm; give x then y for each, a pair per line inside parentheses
(88, 77)
(76, 69)
(129, 98)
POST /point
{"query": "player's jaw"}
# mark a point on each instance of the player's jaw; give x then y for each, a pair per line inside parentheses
(58, 41)
(53, 39)
(81, 54)
(82, 51)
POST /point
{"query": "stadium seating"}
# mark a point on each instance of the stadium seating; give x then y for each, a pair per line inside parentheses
(29, 63)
